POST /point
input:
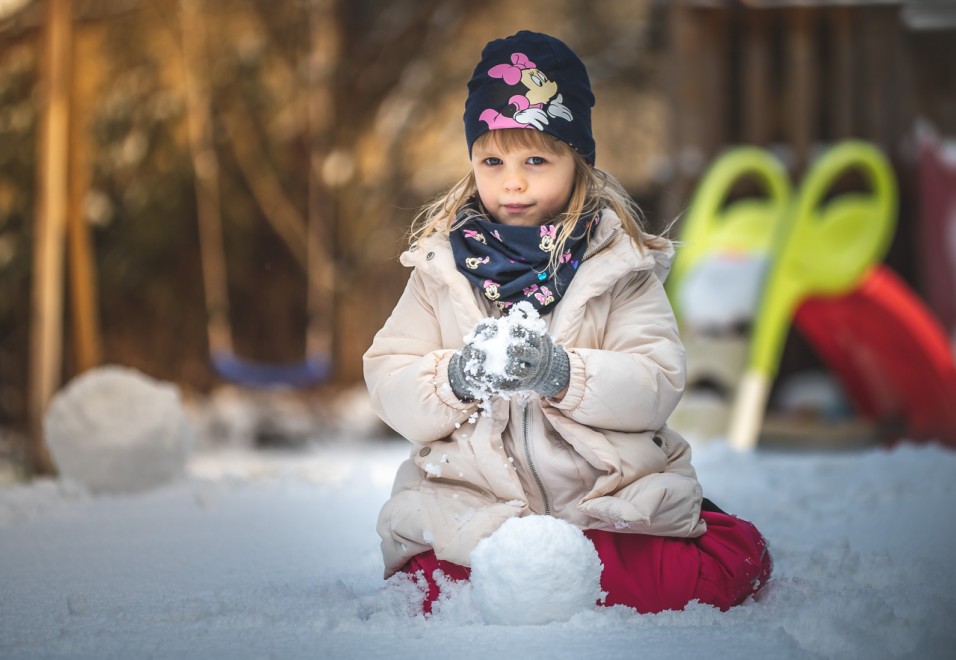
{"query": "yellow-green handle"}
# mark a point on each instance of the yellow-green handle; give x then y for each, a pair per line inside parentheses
(824, 247)
(746, 225)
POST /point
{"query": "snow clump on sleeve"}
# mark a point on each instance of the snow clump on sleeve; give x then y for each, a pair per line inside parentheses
(535, 570)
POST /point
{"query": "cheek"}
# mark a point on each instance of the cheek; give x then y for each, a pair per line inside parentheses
(483, 189)
(486, 182)
(572, 179)
(565, 190)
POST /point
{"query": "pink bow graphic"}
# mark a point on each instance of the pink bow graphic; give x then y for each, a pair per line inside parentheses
(511, 73)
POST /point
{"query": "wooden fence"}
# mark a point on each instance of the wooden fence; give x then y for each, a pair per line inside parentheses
(790, 76)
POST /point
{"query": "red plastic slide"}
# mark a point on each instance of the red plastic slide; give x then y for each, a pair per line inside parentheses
(937, 230)
(889, 352)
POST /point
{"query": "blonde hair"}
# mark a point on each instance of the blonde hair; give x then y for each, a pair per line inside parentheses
(594, 190)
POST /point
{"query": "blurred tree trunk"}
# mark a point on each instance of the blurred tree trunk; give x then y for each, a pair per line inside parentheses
(323, 53)
(82, 274)
(206, 173)
(46, 352)
(368, 70)
(390, 71)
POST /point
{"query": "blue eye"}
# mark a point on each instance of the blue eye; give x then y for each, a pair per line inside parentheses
(536, 160)
(492, 161)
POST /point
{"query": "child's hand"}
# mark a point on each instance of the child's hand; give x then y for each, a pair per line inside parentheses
(535, 363)
(524, 359)
(467, 374)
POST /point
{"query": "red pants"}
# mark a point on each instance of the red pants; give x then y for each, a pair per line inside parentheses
(653, 573)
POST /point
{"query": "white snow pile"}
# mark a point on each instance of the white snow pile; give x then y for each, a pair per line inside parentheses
(258, 554)
(722, 290)
(535, 570)
(115, 430)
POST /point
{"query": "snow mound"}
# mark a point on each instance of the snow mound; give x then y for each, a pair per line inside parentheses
(535, 570)
(114, 430)
(723, 290)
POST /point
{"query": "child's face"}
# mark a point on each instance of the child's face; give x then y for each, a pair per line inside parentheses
(523, 186)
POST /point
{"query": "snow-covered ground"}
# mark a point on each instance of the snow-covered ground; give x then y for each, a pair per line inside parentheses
(259, 554)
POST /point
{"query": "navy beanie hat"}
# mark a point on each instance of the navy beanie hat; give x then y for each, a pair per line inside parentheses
(531, 80)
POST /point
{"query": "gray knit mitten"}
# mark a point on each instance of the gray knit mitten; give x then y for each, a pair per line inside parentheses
(535, 363)
(466, 368)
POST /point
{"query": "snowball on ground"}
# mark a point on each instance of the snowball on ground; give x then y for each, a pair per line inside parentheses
(115, 430)
(535, 570)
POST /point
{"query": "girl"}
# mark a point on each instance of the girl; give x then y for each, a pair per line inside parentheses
(573, 424)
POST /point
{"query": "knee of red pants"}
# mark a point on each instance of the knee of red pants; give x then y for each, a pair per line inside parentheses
(651, 573)
(426, 564)
(735, 561)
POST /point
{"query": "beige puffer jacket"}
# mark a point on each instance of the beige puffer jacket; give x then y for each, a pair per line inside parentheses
(601, 457)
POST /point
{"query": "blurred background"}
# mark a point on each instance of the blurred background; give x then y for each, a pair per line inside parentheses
(187, 178)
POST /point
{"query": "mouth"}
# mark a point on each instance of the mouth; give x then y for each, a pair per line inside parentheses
(516, 208)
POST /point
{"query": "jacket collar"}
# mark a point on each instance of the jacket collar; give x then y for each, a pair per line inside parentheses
(610, 236)
(610, 257)
(434, 260)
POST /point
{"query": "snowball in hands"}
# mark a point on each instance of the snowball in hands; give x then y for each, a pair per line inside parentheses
(115, 430)
(495, 345)
(535, 570)
(509, 354)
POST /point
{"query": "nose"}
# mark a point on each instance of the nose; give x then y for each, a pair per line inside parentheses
(514, 180)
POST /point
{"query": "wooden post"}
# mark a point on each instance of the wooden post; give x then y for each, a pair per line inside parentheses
(46, 348)
(882, 82)
(82, 271)
(755, 70)
(842, 85)
(689, 103)
(324, 47)
(714, 63)
(206, 170)
(802, 96)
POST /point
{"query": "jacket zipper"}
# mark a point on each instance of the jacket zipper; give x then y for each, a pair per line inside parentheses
(600, 246)
(527, 456)
(524, 408)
